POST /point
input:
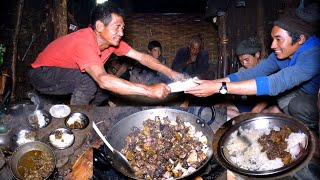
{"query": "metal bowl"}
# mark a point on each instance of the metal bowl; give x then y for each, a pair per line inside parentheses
(40, 119)
(77, 120)
(261, 122)
(27, 147)
(64, 141)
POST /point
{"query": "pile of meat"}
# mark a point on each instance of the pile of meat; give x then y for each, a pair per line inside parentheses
(274, 144)
(165, 149)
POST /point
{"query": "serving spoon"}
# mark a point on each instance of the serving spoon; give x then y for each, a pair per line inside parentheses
(117, 158)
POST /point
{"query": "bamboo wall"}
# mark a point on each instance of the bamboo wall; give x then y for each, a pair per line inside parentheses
(172, 30)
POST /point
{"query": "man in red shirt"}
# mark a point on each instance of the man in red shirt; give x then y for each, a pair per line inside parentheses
(74, 63)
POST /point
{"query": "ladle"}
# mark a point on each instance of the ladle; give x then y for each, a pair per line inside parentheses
(39, 118)
(35, 99)
(117, 158)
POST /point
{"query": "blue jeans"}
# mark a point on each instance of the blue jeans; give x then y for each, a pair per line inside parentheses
(63, 81)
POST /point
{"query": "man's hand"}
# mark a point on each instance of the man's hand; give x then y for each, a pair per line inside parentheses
(205, 88)
(176, 76)
(159, 91)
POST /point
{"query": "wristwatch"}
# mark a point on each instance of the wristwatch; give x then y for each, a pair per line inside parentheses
(223, 89)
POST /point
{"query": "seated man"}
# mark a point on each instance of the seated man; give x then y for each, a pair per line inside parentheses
(74, 64)
(193, 59)
(291, 73)
(249, 53)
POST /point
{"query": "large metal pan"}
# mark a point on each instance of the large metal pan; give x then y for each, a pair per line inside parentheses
(261, 121)
(118, 133)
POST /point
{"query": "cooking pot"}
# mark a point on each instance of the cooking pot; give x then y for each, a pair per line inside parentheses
(5, 139)
(118, 133)
(262, 121)
(27, 147)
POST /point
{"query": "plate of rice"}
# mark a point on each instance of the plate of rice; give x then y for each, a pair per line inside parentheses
(274, 144)
(60, 110)
(61, 138)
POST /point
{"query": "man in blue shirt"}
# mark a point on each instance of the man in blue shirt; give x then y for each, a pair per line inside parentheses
(291, 72)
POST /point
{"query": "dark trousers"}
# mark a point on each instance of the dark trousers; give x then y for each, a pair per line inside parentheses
(62, 81)
(302, 106)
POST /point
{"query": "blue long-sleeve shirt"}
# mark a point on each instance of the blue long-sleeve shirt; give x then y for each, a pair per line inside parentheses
(274, 76)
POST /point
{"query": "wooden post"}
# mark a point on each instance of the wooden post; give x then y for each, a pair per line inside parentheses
(60, 18)
(260, 28)
(15, 47)
(222, 31)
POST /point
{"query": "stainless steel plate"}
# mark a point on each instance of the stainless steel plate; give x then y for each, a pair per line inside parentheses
(77, 120)
(25, 136)
(61, 138)
(262, 122)
(60, 110)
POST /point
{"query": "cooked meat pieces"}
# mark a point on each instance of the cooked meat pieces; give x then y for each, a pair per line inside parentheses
(58, 134)
(35, 165)
(163, 149)
(30, 135)
(274, 144)
(77, 125)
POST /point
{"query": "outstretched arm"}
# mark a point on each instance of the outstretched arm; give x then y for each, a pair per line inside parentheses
(209, 87)
(118, 85)
(152, 63)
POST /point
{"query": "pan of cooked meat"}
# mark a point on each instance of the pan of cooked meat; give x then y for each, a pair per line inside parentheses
(162, 143)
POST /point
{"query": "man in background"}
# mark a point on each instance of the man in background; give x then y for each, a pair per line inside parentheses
(192, 59)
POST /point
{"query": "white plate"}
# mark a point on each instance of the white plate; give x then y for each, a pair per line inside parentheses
(179, 86)
(65, 141)
(60, 111)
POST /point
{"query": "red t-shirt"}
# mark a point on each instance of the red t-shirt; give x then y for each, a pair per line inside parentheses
(77, 50)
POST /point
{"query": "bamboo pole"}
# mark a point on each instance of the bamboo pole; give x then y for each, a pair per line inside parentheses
(15, 40)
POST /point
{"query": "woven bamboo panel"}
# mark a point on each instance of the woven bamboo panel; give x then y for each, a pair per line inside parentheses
(172, 30)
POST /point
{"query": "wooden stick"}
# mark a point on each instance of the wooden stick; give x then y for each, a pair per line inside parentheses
(15, 47)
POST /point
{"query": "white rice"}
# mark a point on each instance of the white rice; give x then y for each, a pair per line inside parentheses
(60, 110)
(41, 119)
(74, 119)
(22, 137)
(65, 141)
(296, 141)
(252, 158)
